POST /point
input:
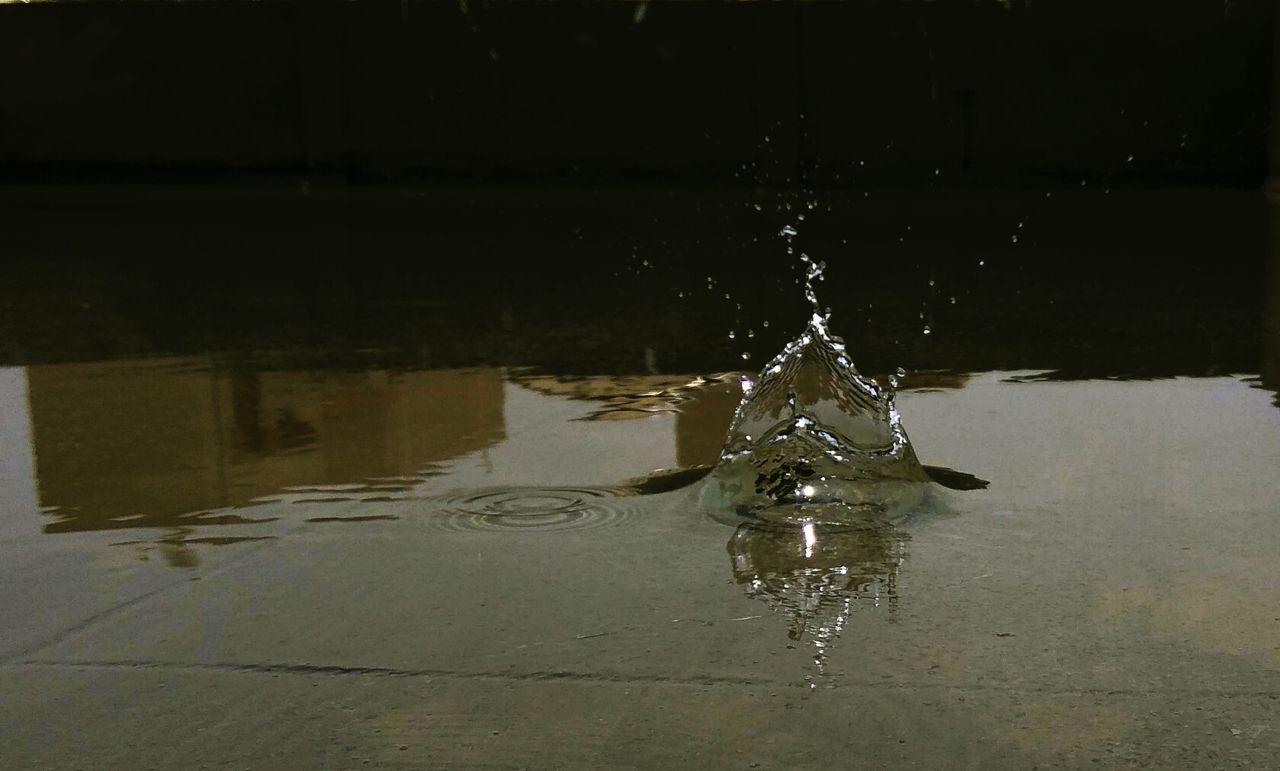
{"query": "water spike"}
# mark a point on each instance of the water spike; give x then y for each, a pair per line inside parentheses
(814, 432)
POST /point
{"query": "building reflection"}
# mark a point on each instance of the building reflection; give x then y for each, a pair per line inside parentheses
(156, 443)
(816, 576)
(177, 442)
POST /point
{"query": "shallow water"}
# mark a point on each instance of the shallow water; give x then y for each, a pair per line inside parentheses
(368, 558)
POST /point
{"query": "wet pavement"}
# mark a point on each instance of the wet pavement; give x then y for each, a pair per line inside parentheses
(318, 554)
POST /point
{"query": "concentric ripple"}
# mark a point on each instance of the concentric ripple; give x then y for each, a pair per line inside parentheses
(536, 508)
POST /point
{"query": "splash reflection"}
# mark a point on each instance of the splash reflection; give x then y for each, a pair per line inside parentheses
(816, 576)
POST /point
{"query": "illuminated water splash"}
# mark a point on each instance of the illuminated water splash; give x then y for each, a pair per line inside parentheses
(813, 441)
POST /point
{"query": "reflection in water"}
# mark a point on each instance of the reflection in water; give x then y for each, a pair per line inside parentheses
(540, 508)
(630, 397)
(179, 443)
(176, 549)
(817, 576)
(171, 442)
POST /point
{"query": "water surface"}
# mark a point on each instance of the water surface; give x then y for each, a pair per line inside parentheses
(338, 552)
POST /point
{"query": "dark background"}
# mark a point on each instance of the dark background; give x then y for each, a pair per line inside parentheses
(375, 90)
(552, 184)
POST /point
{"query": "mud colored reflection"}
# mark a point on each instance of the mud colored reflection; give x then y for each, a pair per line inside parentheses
(156, 443)
(816, 576)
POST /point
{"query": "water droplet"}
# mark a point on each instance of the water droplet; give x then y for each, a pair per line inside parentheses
(901, 372)
(764, 324)
(732, 334)
(645, 263)
(981, 263)
(746, 355)
(757, 207)
(927, 330)
(953, 301)
(937, 172)
(1015, 239)
(1130, 159)
(787, 231)
(800, 217)
(930, 282)
(751, 333)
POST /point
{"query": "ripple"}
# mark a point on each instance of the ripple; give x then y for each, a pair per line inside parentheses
(535, 508)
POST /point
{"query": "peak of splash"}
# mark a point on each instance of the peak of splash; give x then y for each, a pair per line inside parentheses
(812, 439)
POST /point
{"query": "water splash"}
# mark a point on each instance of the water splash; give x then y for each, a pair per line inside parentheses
(813, 441)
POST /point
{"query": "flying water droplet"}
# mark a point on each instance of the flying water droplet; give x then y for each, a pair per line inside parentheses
(787, 231)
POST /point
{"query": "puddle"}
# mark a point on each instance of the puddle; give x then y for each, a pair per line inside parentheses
(1055, 529)
(540, 508)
